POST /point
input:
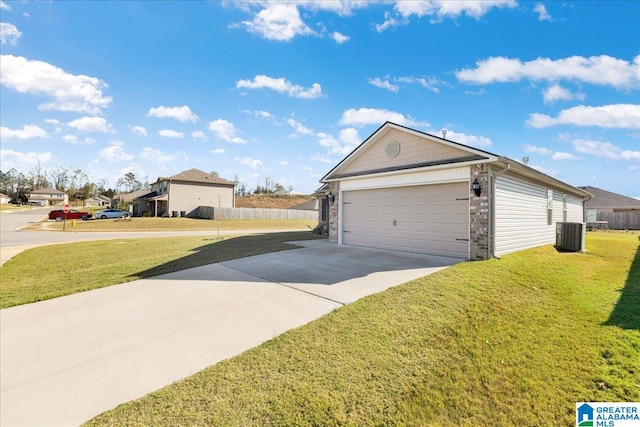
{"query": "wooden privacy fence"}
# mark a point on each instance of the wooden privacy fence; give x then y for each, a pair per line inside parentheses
(629, 220)
(209, 212)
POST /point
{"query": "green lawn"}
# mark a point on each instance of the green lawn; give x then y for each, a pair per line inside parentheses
(507, 342)
(75, 267)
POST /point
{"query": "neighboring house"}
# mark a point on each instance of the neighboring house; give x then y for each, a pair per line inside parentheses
(309, 205)
(183, 195)
(611, 210)
(48, 197)
(4, 199)
(406, 190)
(98, 201)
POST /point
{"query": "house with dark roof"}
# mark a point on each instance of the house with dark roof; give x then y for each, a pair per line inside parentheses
(184, 194)
(406, 190)
(48, 197)
(611, 210)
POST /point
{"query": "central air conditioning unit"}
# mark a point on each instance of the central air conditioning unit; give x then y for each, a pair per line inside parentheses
(570, 236)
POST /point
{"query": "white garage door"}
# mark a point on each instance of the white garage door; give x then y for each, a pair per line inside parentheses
(430, 219)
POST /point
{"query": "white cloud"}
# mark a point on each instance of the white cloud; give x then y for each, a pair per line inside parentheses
(27, 132)
(9, 34)
(248, 161)
(74, 140)
(320, 158)
(23, 161)
(281, 85)
(373, 116)
(91, 124)
(138, 130)
(430, 83)
(615, 116)
(218, 151)
(198, 134)
(543, 15)
(598, 70)
(4, 6)
(559, 155)
(158, 157)
(383, 84)
(605, 150)
(226, 131)
(470, 140)
(183, 114)
(339, 37)
(346, 142)
(170, 133)
(440, 9)
(299, 128)
(283, 163)
(68, 92)
(278, 21)
(528, 148)
(558, 93)
(115, 153)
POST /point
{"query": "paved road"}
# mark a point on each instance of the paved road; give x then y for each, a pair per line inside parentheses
(13, 240)
(69, 359)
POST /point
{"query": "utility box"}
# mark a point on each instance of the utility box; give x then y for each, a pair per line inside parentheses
(570, 236)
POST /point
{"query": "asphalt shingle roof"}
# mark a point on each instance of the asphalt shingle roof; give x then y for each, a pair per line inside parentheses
(607, 199)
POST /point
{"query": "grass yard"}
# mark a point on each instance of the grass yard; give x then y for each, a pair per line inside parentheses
(507, 342)
(174, 224)
(82, 266)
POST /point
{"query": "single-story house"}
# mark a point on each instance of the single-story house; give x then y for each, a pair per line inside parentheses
(184, 194)
(406, 190)
(4, 199)
(610, 210)
(98, 201)
(48, 197)
(309, 205)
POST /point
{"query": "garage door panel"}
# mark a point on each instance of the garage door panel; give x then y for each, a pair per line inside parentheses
(429, 219)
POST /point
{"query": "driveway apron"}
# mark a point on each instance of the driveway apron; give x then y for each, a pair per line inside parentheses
(66, 360)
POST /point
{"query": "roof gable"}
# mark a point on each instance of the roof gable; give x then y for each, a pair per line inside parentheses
(196, 175)
(607, 199)
(393, 147)
(47, 191)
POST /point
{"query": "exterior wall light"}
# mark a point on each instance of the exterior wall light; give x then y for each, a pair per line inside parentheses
(475, 186)
(332, 197)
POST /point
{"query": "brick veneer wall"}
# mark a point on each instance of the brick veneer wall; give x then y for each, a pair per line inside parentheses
(479, 214)
(334, 188)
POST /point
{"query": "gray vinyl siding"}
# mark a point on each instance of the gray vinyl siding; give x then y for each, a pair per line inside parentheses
(521, 220)
(188, 197)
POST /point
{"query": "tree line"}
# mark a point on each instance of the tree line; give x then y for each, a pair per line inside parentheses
(74, 182)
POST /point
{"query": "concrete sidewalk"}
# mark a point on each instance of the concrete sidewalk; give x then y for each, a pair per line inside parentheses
(66, 360)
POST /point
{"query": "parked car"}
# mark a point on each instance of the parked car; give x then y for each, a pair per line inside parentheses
(112, 213)
(59, 215)
(41, 204)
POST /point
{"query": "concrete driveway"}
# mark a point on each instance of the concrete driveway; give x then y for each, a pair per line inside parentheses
(66, 360)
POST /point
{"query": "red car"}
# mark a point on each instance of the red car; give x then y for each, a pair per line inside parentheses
(59, 215)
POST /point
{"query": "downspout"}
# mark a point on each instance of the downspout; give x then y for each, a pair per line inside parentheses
(493, 210)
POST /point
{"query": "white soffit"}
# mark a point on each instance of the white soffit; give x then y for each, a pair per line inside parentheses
(405, 179)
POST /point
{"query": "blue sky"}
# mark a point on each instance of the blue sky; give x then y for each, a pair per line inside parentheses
(285, 90)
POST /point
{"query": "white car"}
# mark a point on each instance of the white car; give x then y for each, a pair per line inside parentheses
(112, 213)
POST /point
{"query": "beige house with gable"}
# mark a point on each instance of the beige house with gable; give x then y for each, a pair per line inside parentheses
(183, 195)
(406, 190)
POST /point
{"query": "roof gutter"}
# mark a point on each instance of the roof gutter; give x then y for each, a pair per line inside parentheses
(493, 209)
